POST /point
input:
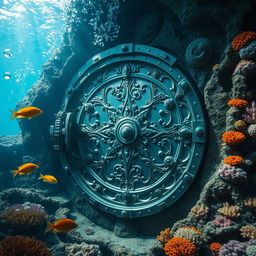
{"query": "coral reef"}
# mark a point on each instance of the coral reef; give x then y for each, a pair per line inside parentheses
(248, 231)
(232, 174)
(222, 221)
(233, 137)
(189, 234)
(239, 103)
(200, 211)
(215, 248)
(250, 115)
(233, 160)
(83, 249)
(179, 247)
(20, 245)
(243, 39)
(230, 211)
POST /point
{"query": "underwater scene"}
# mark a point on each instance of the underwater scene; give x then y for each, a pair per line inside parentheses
(128, 128)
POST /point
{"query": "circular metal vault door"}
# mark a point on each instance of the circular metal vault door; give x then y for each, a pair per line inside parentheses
(131, 131)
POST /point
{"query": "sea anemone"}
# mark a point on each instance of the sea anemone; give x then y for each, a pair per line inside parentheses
(240, 125)
(239, 103)
(215, 248)
(233, 160)
(164, 236)
(21, 245)
(233, 138)
(243, 39)
(179, 247)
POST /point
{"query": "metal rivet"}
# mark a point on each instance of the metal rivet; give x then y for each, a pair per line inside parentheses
(124, 48)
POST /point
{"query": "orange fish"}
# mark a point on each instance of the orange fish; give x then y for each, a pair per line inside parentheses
(25, 169)
(48, 178)
(62, 225)
(28, 112)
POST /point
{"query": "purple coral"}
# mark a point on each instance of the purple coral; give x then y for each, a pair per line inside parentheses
(250, 114)
(245, 68)
(232, 174)
(222, 221)
(248, 52)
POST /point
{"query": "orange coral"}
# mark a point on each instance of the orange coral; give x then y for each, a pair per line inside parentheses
(233, 137)
(233, 160)
(193, 228)
(243, 39)
(215, 247)
(179, 247)
(164, 236)
(239, 103)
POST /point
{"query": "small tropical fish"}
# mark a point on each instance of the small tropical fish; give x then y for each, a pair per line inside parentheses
(62, 225)
(48, 178)
(27, 112)
(25, 169)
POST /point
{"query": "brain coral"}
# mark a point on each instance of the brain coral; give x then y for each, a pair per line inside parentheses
(248, 52)
(232, 174)
(243, 39)
(233, 138)
(233, 160)
(179, 247)
(238, 103)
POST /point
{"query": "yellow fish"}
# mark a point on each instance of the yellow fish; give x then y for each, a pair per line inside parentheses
(27, 112)
(62, 225)
(25, 169)
(48, 178)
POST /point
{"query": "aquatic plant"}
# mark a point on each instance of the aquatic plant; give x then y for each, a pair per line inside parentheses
(251, 203)
(222, 221)
(233, 160)
(215, 248)
(232, 174)
(24, 219)
(83, 249)
(200, 211)
(189, 234)
(240, 125)
(243, 39)
(21, 245)
(245, 68)
(250, 115)
(179, 247)
(248, 52)
(233, 138)
(230, 211)
(164, 236)
(248, 232)
(239, 103)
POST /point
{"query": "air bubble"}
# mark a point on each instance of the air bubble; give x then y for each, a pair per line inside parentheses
(7, 76)
(7, 53)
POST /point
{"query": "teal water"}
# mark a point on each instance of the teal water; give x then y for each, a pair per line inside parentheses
(31, 31)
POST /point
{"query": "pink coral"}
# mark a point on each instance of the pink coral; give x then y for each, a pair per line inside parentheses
(250, 115)
(232, 174)
(222, 221)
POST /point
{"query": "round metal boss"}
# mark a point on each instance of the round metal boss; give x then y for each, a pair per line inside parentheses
(131, 131)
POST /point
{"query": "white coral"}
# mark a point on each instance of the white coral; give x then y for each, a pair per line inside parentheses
(83, 249)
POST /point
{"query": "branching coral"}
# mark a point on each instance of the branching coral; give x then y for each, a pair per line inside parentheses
(233, 160)
(251, 203)
(250, 115)
(243, 39)
(239, 103)
(215, 248)
(164, 236)
(193, 235)
(240, 125)
(232, 174)
(200, 211)
(230, 211)
(20, 245)
(24, 219)
(233, 137)
(248, 231)
(245, 68)
(179, 247)
(222, 221)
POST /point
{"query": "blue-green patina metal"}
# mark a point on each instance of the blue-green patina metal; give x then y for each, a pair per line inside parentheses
(131, 130)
